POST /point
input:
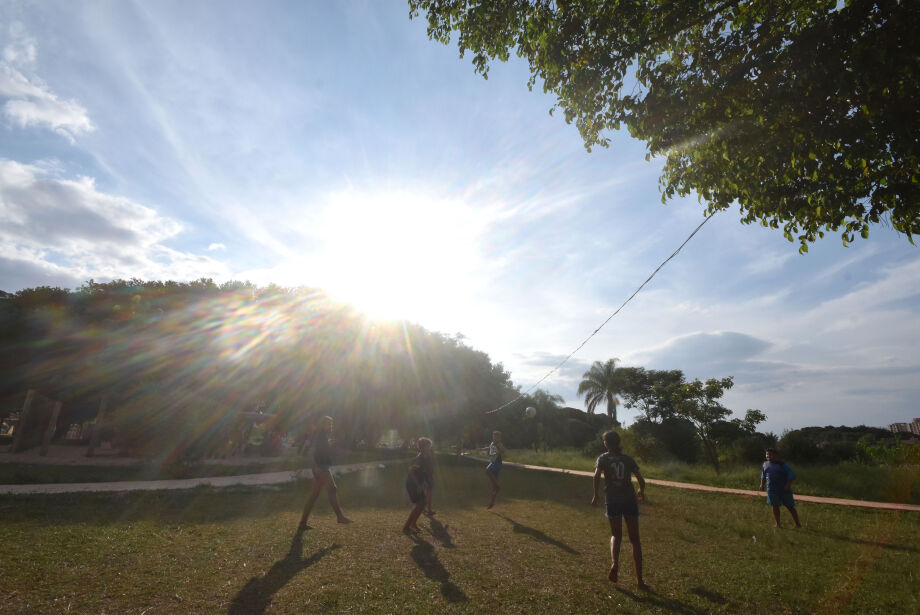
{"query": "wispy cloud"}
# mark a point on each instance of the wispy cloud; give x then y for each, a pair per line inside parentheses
(28, 100)
(216, 246)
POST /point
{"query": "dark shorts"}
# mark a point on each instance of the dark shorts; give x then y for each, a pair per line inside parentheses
(494, 468)
(416, 493)
(781, 498)
(619, 506)
(323, 470)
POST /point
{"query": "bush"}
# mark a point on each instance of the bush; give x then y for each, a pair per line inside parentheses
(797, 447)
(749, 449)
(671, 439)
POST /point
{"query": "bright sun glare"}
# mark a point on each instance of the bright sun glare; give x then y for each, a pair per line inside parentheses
(400, 255)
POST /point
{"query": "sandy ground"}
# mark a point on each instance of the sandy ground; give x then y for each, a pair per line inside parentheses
(744, 492)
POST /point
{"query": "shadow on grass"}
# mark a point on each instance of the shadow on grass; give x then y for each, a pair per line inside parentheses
(651, 599)
(858, 541)
(714, 597)
(257, 593)
(440, 533)
(519, 528)
(425, 556)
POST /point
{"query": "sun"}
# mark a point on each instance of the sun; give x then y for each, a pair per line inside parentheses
(400, 255)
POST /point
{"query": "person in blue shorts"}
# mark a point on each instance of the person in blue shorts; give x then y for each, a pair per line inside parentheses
(776, 476)
(418, 482)
(617, 469)
(496, 450)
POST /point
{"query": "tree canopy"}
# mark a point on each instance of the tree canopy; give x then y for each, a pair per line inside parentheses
(171, 355)
(803, 112)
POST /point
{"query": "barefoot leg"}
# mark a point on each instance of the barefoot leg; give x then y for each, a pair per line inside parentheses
(632, 527)
(776, 515)
(616, 539)
(495, 488)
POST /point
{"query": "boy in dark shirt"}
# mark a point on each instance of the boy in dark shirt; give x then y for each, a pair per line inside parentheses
(617, 470)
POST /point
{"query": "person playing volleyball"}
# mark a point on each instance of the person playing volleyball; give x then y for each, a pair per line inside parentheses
(617, 469)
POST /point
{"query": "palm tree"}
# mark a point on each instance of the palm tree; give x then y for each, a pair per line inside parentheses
(601, 384)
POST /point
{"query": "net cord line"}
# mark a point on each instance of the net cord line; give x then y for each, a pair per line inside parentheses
(601, 326)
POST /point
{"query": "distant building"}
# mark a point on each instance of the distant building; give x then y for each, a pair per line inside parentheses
(912, 428)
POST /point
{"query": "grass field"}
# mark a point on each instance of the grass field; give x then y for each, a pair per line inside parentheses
(844, 480)
(541, 550)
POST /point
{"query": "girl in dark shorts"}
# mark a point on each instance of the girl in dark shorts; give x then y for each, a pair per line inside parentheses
(617, 470)
(496, 450)
(322, 476)
(418, 482)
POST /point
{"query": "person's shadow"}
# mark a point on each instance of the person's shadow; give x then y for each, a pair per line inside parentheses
(426, 557)
(257, 593)
(439, 531)
(650, 599)
(519, 528)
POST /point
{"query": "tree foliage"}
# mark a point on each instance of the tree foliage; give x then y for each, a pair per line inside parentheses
(698, 402)
(803, 112)
(181, 362)
(650, 391)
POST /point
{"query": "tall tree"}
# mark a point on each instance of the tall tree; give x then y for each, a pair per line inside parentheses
(601, 384)
(803, 112)
(699, 403)
(650, 391)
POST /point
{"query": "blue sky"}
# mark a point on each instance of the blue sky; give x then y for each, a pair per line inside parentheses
(334, 145)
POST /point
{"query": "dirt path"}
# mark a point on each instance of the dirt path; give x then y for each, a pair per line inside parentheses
(745, 492)
(275, 478)
(267, 478)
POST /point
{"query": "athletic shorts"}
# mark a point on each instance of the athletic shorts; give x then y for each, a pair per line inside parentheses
(416, 493)
(494, 467)
(782, 498)
(618, 506)
(325, 470)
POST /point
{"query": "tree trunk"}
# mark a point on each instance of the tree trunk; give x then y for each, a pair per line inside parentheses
(711, 453)
(612, 409)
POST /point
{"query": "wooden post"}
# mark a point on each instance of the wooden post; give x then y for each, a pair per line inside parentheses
(52, 427)
(97, 427)
(23, 417)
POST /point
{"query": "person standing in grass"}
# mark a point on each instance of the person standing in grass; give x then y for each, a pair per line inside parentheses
(418, 482)
(617, 469)
(322, 476)
(776, 476)
(496, 450)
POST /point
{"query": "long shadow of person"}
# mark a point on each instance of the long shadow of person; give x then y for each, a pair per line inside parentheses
(257, 593)
(859, 541)
(519, 528)
(668, 604)
(427, 559)
(439, 531)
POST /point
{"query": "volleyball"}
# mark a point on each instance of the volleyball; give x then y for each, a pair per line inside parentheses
(530, 412)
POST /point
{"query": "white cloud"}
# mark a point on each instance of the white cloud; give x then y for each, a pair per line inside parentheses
(68, 230)
(29, 101)
(216, 246)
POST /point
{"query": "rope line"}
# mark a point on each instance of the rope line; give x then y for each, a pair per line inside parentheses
(601, 326)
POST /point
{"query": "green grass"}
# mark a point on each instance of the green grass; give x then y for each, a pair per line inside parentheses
(542, 550)
(845, 480)
(25, 473)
